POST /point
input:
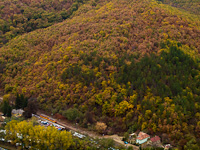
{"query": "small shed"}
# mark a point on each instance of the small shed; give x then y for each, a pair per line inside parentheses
(132, 138)
(133, 134)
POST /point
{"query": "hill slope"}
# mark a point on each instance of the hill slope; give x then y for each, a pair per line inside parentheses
(21, 16)
(192, 6)
(131, 64)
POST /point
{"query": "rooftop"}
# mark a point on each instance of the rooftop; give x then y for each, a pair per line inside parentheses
(17, 111)
(142, 136)
(155, 139)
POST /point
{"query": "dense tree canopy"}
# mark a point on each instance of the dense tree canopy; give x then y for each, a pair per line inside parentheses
(129, 64)
(21, 16)
(192, 6)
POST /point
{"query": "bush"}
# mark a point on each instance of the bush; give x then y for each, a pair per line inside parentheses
(100, 127)
(126, 136)
(73, 114)
(8, 88)
(130, 148)
(106, 143)
(133, 128)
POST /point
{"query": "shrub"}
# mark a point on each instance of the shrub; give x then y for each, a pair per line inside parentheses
(100, 127)
(106, 143)
(72, 114)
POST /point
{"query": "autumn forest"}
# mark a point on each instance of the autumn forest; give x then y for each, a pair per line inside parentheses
(132, 64)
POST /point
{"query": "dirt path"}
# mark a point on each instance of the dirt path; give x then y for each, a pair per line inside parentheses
(73, 127)
(1, 99)
(76, 128)
(118, 139)
(84, 131)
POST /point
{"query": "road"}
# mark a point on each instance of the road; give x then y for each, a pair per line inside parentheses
(76, 128)
(84, 131)
(73, 127)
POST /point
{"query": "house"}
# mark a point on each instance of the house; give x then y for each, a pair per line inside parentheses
(132, 138)
(2, 118)
(167, 146)
(17, 112)
(142, 138)
(155, 140)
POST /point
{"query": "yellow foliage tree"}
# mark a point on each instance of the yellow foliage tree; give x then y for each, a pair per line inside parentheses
(37, 137)
(100, 127)
(122, 108)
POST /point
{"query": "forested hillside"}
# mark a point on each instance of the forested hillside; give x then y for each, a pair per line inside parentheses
(192, 6)
(133, 65)
(21, 16)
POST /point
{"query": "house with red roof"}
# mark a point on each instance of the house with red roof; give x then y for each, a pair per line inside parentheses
(142, 138)
(155, 139)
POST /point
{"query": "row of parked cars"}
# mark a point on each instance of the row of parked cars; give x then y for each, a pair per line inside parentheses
(46, 123)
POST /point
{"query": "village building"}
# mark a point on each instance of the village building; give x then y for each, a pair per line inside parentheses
(167, 146)
(142, 138)
(17, 112)
(132, 138)
(155, 140)
(2, 118)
